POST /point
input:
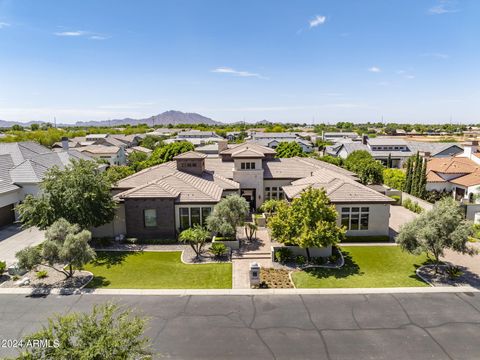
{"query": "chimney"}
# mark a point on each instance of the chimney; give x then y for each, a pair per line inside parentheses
(65, 143)
(364, 139)
(469, 148)
(222, 145)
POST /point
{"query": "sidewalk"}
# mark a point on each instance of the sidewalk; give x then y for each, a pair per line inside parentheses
(258, 250)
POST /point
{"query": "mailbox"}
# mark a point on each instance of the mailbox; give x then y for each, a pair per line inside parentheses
(254, 273)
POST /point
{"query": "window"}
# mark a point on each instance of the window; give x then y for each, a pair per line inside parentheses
(247, 166)
(195, 216)
(274, 192)
(205, 212)
(355, 218)
(184, 218)
(150, 217)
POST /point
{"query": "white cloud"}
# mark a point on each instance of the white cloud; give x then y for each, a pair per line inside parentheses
(227, 70)
(4, 25)
(436, 55)
(71, 33)
(375, 69)
(410, 77)
(99, 37)
(318, 20)
(444, 7)
(80, 33)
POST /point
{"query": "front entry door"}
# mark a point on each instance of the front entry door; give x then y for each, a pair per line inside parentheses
(249, 195)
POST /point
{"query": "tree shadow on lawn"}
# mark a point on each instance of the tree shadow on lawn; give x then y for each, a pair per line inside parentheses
(110, 258)
(97, 282)
(348, 269)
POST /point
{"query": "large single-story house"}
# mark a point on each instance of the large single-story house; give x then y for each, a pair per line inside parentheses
(398, 149)
(22, 168)
(162, 200)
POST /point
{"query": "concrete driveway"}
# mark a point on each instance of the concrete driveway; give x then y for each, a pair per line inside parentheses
(399, 216)
(14, 239)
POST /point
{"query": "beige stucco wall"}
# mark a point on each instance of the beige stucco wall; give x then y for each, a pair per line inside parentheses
(378, 224)
(251, 179)
(114, 228)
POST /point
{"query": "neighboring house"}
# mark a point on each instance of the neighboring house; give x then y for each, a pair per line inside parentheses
(459, 174)
(162, 200)
(272, 140)
(139, 149)
(399, 150)
(196, 137)
(22, 168)
(335, 136)
(114, 155)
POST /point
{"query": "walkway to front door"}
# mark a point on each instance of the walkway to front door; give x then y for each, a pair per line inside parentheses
(258, 250)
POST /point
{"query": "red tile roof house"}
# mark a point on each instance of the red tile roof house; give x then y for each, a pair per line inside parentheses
(162, 200)
(459, 174)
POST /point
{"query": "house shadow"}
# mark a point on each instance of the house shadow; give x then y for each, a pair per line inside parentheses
(112, 258)
(348, 269)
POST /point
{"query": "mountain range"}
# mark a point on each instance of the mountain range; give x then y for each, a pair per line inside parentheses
(168, 117)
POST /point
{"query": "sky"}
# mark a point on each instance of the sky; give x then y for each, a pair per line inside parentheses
(285, 61)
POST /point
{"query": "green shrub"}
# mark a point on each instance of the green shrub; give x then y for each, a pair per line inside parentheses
(42, 274)
(218, 249)
(318, 260)
(3, 266)
(372, 238)
(453, 272)
(396, 198)
(300, 260)
(333, 258)
(283, 254)
(412, 206)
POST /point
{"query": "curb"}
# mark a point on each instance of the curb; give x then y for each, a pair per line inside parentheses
(228, 292)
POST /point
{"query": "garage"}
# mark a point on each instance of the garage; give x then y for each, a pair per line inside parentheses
(7, 215)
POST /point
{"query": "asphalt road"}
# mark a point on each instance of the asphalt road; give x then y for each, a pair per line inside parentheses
(400, 326)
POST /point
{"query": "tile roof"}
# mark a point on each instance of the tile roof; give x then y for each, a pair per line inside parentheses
(185, 188)
(27, 162)
(259, 148)
(99, 149)
(432, 176)
(471, 179)
(190, 155)
(246, 153)
(338, 190)
(452, 165)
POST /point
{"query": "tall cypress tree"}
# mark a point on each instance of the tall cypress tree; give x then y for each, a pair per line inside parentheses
(417, 176)
(423, 180)
(389, 161)
(408, 180)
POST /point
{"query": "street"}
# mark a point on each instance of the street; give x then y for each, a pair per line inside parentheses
(377, 326)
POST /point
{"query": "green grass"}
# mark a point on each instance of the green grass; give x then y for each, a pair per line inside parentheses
(366, 266)
(155, 270)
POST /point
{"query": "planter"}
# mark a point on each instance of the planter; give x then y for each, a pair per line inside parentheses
(260, 220)
(233, 244)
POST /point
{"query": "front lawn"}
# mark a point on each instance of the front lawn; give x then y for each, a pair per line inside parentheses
(155, 270)
(366, 266)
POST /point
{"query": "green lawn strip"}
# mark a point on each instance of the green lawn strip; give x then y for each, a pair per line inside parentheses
(155, 270)
(366, 266)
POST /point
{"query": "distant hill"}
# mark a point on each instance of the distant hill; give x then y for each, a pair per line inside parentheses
(168, 117)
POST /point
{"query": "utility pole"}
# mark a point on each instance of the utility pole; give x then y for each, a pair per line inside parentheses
(55, 121)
